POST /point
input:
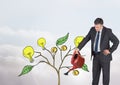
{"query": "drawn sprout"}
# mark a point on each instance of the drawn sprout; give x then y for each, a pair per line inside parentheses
(28, 52)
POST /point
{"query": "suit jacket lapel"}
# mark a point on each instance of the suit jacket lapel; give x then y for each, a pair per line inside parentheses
(102, 35)
(94, 34)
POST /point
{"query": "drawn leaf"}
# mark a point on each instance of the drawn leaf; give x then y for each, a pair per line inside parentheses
(26, 70)
(85, 68)
(62, 40)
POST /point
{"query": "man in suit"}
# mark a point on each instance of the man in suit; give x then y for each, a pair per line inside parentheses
(101, 51)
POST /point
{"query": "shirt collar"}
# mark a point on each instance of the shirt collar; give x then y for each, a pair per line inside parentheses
(101, 30)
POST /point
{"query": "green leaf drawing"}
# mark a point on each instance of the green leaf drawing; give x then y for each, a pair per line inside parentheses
(26, 69)
(85, 68)
(62, 40)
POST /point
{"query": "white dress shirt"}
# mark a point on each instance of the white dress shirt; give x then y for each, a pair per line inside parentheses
(98, 40)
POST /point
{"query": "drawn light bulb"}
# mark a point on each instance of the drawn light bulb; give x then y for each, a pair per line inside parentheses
(64, 48)
(53, 49)
(28, 53)
(78, 40)
(41, 42)
(75, 72)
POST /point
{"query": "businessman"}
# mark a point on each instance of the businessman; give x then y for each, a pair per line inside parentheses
(101, 50)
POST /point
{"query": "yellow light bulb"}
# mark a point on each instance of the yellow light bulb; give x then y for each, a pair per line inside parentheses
(28, 53)
(41, 42)
(75, 72)
(78, 40)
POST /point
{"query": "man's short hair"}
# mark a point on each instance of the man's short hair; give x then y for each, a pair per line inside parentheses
(98, 21)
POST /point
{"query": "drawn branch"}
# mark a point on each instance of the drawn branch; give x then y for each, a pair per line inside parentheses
(65, 57)
(68, 67)
(60, 52)
(42, 56)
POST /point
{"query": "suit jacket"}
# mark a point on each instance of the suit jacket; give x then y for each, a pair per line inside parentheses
(106, 37)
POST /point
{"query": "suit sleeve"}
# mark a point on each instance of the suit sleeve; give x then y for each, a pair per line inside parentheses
(114, 40)
(85, 40)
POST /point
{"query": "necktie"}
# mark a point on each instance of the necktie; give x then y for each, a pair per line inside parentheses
(96, 43)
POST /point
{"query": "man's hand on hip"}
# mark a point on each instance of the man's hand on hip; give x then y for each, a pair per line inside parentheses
(106, 52)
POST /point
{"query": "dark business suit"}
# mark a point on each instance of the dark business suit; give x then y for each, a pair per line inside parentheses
(101, 61)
